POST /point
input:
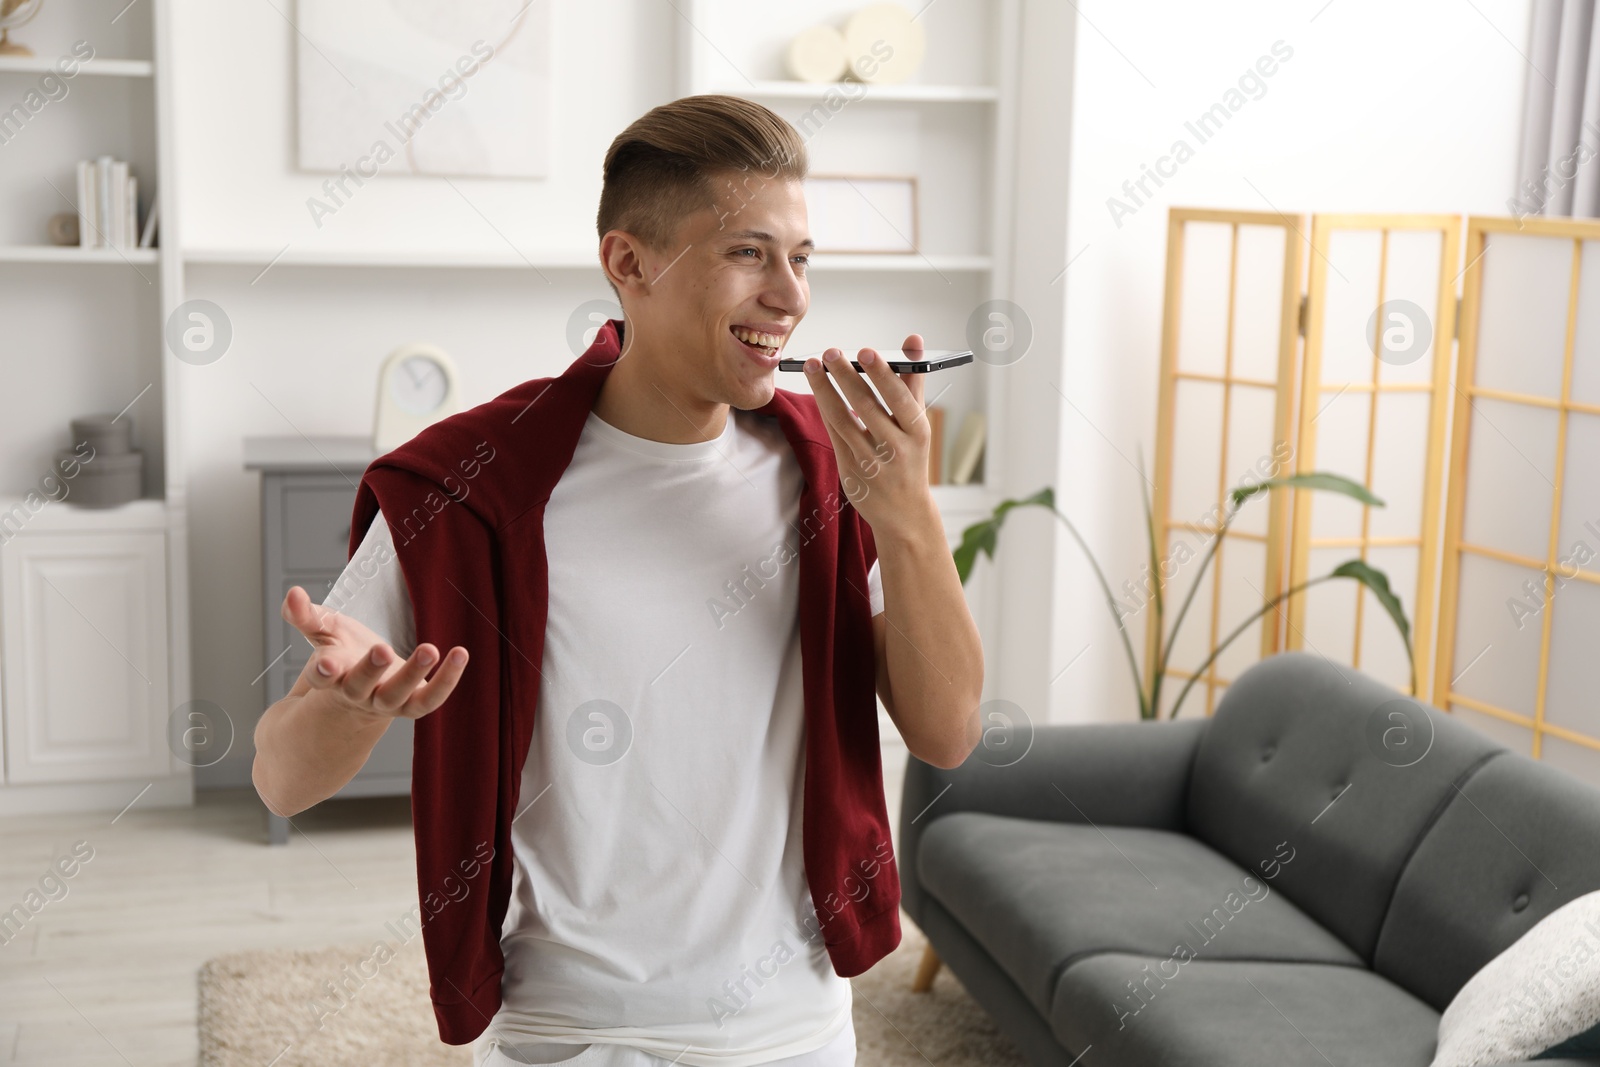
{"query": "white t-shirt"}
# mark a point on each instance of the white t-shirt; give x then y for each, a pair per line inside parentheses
(659, 897)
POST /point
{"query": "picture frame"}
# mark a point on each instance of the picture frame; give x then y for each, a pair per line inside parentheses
(863, 213)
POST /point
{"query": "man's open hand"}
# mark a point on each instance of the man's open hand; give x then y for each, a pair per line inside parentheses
(361, 673)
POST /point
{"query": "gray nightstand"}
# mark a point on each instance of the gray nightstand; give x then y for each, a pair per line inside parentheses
(308, 490)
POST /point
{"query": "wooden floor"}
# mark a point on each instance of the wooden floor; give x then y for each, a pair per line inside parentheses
(104, 974)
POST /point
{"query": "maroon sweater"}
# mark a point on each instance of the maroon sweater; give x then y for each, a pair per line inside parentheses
(465, 502)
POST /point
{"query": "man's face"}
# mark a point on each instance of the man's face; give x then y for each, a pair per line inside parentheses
(740, 265)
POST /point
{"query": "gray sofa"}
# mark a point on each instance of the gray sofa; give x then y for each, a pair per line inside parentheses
(1284, 883)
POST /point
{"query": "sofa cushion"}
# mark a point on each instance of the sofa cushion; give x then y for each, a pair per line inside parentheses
(1122, 773)
(1292, 734)
(1038, 895)
(1520, 840)
(1237, 1014)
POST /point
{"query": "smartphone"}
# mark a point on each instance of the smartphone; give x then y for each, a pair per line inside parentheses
(932, 359)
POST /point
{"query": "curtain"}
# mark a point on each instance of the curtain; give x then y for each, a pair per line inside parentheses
(1558, 170)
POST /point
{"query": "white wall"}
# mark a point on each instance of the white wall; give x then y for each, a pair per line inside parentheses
(235, 92)
(1021, 668)
(308, 340)
(1382, 107)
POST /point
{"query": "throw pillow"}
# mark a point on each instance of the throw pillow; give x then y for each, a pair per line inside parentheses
(1540, 994)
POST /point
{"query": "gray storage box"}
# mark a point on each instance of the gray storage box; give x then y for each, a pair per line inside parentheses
(106, 433)
(106, 480)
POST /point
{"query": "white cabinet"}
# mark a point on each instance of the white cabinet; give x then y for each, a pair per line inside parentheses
(83, 640)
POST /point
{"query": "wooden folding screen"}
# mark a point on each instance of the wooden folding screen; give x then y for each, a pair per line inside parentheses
(1238, 368)
(1374, 407)
(1516, 564)
(1520, 590)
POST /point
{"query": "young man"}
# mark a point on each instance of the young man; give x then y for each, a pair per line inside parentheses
(654, 545)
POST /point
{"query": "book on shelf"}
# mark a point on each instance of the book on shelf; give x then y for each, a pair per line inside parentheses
(130, 214)
(936, 444)
(86, 198)
(968, 449)
(108, 205)
(119, 202)
(147, 239)
(102, 188)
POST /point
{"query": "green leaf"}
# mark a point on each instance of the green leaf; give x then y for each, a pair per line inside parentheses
(1378, 582)
(972, 539)
(1336, 483)
(1045, 497)
(1150, 704)
(984, 534)
(1150, 538)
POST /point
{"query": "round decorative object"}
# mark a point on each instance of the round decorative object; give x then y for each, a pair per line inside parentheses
(420, 385)
(416, 387)
(14, 13)
(63, 228)
(817, 55)
(883, 45)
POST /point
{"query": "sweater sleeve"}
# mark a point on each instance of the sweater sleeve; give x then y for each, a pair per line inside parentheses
(466, 754)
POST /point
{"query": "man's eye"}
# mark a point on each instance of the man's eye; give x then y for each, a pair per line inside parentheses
(737, 251)
(803, 260)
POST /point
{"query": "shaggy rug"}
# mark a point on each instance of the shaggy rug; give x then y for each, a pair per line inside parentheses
(351, 1006)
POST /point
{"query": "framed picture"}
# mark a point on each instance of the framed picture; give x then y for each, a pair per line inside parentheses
(863, 212)
(460, 89)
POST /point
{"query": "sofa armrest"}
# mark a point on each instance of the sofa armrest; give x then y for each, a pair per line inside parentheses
(1108, 774)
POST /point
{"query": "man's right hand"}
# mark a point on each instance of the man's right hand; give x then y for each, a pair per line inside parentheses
(360, 673)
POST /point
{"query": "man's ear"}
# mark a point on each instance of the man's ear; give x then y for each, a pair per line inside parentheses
(621, 257)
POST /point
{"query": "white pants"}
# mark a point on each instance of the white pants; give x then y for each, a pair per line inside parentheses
(489, 1052)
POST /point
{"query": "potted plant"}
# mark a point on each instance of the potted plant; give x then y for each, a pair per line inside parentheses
(983, 536)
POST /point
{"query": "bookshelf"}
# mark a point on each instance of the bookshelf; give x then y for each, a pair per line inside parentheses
(84, 330)
(115, 68)
(71, 255)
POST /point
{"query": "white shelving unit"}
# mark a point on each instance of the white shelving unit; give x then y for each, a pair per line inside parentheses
(71, 255)
(87, 729)
(116, 68)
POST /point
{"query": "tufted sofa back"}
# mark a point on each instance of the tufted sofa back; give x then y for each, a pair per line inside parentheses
(1520, 840)
(1334, 770)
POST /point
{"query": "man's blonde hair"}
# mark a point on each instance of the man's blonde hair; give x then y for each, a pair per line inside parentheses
(671, 161)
